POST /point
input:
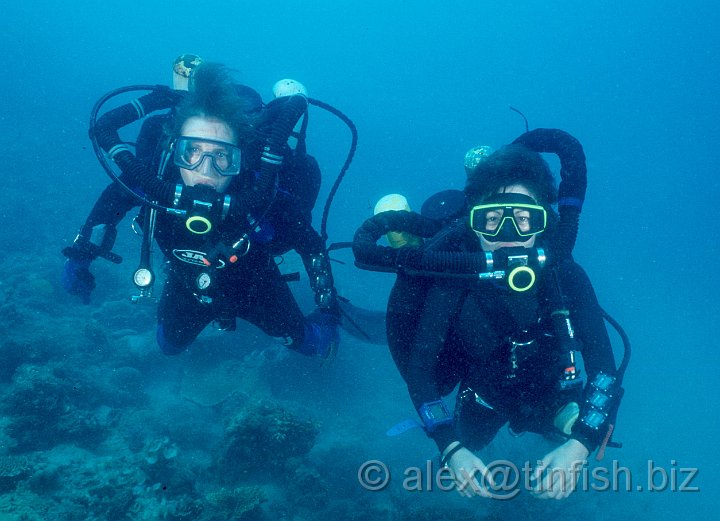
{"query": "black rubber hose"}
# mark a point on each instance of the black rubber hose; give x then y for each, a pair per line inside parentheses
(369, 255)
(458, 263)
(138, 173)
(108, 136)
(346, 165)
(626, 344)
(293, 107)
(573, 183)
(573, 170)
(255, 200)
(105, 131)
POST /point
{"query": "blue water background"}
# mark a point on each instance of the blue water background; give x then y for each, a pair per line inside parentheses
(424, 81)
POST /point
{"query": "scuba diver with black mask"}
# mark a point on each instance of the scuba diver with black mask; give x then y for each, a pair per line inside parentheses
(493, 304)
(206, 191)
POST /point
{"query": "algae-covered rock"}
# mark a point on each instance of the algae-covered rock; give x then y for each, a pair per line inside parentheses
(265, 439)
(13, 469)
(161, 465)
(235, 503)
(159, 450)
(307, 489)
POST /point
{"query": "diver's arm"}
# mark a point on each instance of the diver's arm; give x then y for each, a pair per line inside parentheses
(96, 237)
(300, 184)
(596, 349)
(115, 202)
(111, 207)
(589, 323)
(440, 305)
(471, 475)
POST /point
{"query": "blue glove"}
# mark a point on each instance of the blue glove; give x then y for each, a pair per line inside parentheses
(322, 335)
(77, 279)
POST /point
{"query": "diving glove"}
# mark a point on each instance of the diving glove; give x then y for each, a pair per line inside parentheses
(90, 244)
(77, 279)
(322, 335)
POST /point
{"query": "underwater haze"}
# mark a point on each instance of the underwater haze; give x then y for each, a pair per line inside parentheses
(95, 423)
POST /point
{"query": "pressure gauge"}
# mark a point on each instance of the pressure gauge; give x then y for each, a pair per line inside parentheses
(203, 281)
(143, 277)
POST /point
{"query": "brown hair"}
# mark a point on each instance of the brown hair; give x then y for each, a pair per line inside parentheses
(213, 94)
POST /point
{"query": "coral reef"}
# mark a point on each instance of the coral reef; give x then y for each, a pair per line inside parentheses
(46, 410)
(97, 425)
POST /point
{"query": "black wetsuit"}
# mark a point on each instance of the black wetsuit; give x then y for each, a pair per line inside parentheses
(253, 288)
(448, 331)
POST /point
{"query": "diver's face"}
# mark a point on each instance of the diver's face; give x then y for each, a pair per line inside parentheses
(211, 129)
(522, 220)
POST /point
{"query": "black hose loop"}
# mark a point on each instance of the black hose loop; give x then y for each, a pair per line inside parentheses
(346, 165)
(94, 130)
(573, 182)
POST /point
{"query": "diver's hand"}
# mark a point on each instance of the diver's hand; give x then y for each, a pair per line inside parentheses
(323, 335)
(557, 474)
(470, 473)
(77, 279)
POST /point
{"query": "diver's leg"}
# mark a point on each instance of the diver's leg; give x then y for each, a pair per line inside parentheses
(181, 317)
(271, 306)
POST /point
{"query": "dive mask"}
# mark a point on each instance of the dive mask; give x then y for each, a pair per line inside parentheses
(508, 218)
(190, 153)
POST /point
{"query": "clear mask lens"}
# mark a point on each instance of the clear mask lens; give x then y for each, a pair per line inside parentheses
(190, 153)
